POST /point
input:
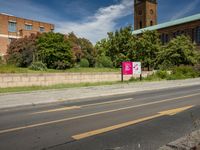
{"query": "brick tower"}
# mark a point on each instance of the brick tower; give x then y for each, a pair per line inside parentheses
(145, 13)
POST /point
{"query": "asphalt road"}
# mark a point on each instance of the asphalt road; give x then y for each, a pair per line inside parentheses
(143, 120)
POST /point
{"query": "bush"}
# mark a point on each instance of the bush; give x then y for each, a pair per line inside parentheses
(162, 74)
(84, 63)
(1, 60)
(133, 79)
(104, 61)
(61, 65)
(38, 66)
(183, 72)
(153, 77)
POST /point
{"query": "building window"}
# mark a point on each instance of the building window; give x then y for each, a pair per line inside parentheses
(42, 29)
(198, 35)
(183, 32)
(178, 33)
(28, 27)
(163, 38)
(160, 37)
(166, 38)
(10, 40)
(12, 26)
(193, 35)
(174, 34)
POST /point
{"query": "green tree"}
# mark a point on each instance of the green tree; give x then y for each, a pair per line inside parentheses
(76, 48)
(179, 51)
(54, 50)
(148, 45)
(101, 48)
(82, 48)
(88, 50)
(118, 46)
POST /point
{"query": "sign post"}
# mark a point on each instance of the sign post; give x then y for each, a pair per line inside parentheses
(122, 76)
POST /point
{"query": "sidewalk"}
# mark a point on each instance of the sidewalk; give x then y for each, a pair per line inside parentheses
(76, 94)
(189, 142)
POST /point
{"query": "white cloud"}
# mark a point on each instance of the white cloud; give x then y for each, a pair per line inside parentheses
(186, 10)
(96, 27)
(26, 9)
(93, 27)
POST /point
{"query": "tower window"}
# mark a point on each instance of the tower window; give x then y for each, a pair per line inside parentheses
(140, 12)
(151, 12)
(151, 23)
(140, 24)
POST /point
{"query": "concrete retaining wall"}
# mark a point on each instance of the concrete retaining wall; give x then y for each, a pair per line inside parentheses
(18, 80)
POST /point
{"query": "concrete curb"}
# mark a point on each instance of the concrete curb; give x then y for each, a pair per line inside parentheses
(189, 142)
(80, 94)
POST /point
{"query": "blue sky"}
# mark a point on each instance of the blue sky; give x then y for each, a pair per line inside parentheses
(92, 19)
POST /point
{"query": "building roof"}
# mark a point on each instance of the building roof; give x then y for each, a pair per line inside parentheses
(169, 24)
(5, 14)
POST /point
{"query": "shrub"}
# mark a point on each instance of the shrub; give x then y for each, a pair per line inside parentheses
(153, 77)
(162, 74)
(84, 63)
(1, 60)
(38, 66)
(183, 72)
(61, 65)
(133, 79)
(104, 61)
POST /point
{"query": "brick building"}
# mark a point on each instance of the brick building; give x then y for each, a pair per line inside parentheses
(12, 27)
(145, 15)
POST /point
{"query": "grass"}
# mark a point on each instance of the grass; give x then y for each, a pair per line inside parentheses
(58, 86)
(13, 69)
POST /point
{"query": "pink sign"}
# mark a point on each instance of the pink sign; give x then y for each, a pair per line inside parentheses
(127, 68)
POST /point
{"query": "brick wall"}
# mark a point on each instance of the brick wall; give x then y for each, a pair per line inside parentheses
(20, 29)
(146, 12)
(19, 80)
(3, 45)
(183, 29)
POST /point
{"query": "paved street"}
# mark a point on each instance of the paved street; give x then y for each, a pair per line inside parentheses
(142, 120)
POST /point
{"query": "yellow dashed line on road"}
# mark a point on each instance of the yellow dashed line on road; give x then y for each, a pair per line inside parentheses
(122, 125)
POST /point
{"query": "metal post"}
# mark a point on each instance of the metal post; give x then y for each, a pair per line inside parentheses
(122, 76)
(140, 77)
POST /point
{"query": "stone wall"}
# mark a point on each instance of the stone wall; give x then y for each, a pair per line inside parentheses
(46, 79)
